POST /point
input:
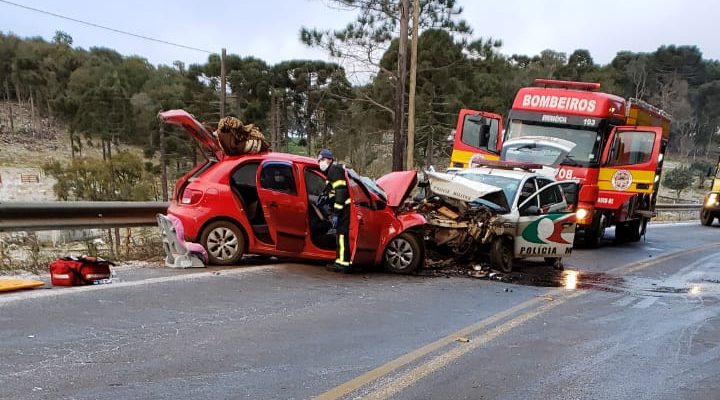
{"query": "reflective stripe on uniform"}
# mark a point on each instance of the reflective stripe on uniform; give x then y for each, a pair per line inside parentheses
(347, 201)
(339, 206)
(340, 260)
(338, 183)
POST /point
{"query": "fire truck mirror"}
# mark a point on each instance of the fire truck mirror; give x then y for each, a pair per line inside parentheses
(478, 120)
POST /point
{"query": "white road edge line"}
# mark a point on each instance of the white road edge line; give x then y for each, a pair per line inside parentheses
(40, 293)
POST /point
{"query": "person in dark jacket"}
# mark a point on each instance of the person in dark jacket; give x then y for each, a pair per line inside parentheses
(337, 191)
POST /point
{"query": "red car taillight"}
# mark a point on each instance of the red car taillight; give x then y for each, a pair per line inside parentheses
(191, 196)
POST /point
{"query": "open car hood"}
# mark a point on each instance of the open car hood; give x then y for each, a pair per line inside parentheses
(458, 187)
(204, 137)
(550, 151)
(397, 186)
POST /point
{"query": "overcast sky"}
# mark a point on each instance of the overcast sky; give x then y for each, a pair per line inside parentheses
(268, 29)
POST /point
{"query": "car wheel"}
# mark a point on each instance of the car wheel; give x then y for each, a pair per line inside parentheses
(631, 231)
(706, 217)
(556, 263)
(403, 255)
(501, 255)
(224, 242)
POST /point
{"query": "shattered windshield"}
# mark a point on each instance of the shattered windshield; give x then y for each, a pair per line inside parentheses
(587, 141)
(369, 184)
(508, 185)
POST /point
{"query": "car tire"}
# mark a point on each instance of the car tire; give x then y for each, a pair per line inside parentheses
(403, 255)
(224, 242)
(501, 255)
(706, 217)
(556, 263)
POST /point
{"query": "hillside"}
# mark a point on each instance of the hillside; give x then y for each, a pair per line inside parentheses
(31, 145)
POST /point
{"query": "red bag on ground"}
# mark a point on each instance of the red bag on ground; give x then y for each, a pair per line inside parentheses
(77, 271)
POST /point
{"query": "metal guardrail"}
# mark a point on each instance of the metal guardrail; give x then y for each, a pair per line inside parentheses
(21, 216)
(678, 207)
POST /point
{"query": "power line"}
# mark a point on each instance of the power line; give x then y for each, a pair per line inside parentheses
(105, 27)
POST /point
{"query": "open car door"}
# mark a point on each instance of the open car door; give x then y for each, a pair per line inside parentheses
(365, 228)
(285, 209)
(546, 223)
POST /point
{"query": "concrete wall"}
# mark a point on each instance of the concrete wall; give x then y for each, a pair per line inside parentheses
(13, 189)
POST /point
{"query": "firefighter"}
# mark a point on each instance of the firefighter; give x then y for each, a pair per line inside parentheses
(337, 191)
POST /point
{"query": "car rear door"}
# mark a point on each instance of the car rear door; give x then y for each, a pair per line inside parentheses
(547, 230)
(284, 209)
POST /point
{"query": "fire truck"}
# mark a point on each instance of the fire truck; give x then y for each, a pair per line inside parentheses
(612, 146)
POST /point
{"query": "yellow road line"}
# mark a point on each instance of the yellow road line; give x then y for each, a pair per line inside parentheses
(370, 376)
(407, 379)
(441, 360)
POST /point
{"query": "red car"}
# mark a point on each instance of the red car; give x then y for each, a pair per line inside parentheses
(266, 204)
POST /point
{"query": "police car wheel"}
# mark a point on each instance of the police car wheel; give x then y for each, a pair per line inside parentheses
(556, 263)
(501, 255)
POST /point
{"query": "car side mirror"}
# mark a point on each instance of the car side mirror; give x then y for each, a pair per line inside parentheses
(380, 205)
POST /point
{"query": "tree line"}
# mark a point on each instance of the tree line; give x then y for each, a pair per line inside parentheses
(305, 105)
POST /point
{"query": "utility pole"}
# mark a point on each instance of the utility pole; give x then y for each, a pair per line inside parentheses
(223, 83)
(413, 85)
(399, 134)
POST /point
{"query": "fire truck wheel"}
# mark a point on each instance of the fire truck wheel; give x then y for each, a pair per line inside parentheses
(706, 217)
(593, 237)
(630, 232)
(594, 234)
(501, 255)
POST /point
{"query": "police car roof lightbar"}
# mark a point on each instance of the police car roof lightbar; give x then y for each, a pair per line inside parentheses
(567, 84)
(504, 164)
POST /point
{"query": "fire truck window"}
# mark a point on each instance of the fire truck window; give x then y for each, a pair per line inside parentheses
(278, 177)
(632, 148)
(475, 134)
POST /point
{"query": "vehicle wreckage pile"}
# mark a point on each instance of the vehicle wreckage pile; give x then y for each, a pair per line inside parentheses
(463, 216)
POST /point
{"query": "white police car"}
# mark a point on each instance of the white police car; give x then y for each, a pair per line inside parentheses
(530, 214)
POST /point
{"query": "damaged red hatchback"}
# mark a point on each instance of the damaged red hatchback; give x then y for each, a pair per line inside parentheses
(266, 204)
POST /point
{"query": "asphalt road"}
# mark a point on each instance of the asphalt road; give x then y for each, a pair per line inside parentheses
(636, 321)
